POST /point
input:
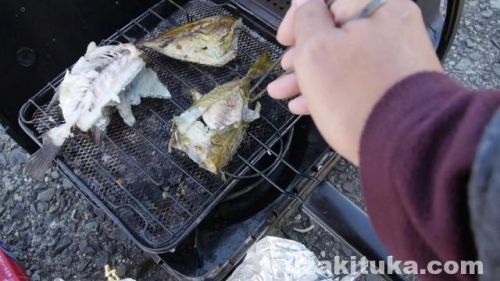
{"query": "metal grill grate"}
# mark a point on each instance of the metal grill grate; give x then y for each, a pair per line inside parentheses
(158, 197)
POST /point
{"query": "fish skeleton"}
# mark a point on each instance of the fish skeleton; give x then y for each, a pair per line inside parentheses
(210, 41)
(105, 77)
(225, 114)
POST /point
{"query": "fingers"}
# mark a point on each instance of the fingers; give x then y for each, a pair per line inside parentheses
(287, 60)
(299, 106)
(344, 10)
(284, 87)
(287, 87)
(285, 31)
(310, 18)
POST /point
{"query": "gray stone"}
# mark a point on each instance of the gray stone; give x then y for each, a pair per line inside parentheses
(116, 234)
(102, 260)
(18, 212)
(16, 168)
(36, 240)
(66, 183)
(352, 186)
(89, 250)
(46, 195)
(63, 243)
(40, 186)
(470, 43)
(3, 159)
(82, 265)
(66, 260)
(2, 209)
(487, 13)
(82, 246)
(54, 174)
(476, 55)
(42, 207)
(18, 156)
(464, 64)
(496, 69)
(7, 183)
(71, 226)
(92, 226)
(495, 4)
(35, 277)
(121, 270)
(53, 208)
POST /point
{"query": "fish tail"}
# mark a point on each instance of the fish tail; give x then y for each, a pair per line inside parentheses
(98, 134)
(41, 161)
(261, 66)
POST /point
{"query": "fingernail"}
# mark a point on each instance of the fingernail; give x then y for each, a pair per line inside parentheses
(299, 3)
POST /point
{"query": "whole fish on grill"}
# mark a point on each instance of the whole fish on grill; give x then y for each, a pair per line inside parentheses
(106, 77)
(212, 129)
(211, 41)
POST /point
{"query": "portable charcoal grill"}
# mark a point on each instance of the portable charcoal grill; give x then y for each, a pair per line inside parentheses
(174, 210)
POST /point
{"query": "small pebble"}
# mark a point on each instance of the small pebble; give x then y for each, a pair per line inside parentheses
(46, 195)
(92, 226)
(42, 207)
(487, 13)
(495, 4)
(35, 277)
(62, 244)
(121, 270)
(470, 43)
(40, 186)
(66, 183)
(18, 156)
(102, 260)
(476, 55)
(496, 69)
(54, 174)
(464, 64)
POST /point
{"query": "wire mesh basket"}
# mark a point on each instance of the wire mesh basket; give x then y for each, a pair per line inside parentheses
(154, 196)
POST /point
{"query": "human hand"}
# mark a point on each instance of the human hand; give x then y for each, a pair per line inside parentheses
(343, 68)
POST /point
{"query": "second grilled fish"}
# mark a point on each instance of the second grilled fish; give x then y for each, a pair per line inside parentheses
(225, 114)
(211, 41)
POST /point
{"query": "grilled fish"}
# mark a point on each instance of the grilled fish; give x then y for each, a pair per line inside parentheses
(211, 41)
(105, 77)
(225, 114)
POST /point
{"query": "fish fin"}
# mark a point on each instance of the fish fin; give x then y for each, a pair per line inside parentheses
(195, 95)
(53, 101)
(98, 134)
(41, 161)
(125, 111)
(91, 47)
(260, 67)
(251, 115)
(145, 57)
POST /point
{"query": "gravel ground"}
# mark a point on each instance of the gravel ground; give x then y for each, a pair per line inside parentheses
(56, 233)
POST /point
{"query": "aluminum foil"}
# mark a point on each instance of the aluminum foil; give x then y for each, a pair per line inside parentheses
(274, 258)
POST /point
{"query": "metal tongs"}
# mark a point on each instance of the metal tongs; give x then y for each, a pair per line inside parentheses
(366, 12)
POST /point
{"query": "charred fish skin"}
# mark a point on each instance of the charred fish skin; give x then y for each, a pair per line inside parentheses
(102, 78)
(211, 41)
(225, 114)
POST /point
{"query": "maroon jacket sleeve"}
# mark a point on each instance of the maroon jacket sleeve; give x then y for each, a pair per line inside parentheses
(417, 151)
